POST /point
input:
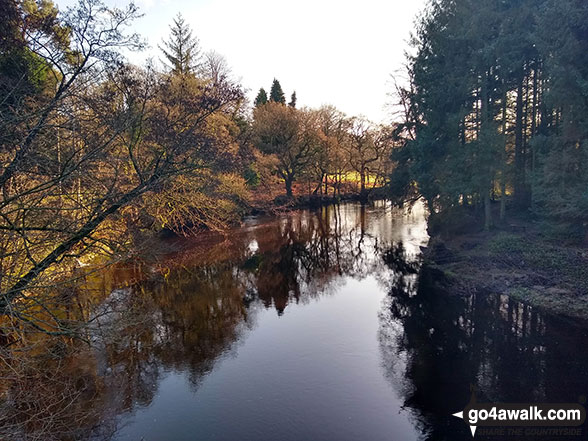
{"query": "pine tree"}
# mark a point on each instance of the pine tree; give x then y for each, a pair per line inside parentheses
(182, 49)
(261, 98)
(9, 32)
(292, 102)
(276, 93)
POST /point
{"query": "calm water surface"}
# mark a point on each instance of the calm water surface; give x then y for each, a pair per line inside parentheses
(317, 326)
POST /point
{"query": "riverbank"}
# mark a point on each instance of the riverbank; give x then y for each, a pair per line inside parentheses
(517, 260)
(282, 202)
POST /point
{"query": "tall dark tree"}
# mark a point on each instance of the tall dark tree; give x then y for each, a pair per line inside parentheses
(276, 93)
(9, 35)
(182, 50)
(495, 108)
(561, 143)
(261, 98)
(292, 102)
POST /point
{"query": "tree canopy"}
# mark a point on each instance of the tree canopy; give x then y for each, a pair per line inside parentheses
(276, 93)
(495, 109)
(261, 98)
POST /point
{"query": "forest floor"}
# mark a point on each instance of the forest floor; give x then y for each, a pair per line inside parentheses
(518, 260)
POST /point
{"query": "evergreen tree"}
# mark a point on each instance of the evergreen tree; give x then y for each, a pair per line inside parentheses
(292, 102)
(9, 32)
(561, 143)
(182, 50)
(276, 93)
(261, 98)
(497, 106)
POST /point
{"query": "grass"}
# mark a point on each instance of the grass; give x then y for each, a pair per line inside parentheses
(567, 264)
(549, 275)
(562, 303)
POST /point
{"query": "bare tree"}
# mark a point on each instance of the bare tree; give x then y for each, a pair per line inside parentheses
(361, 149)
(106, 137)
(216, 67)
(330, 162)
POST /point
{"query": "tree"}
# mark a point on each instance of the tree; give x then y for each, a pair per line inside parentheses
(182, 50)
(457, 149)
(261, 98)
(292, 102)
(561, 141)
(508, 118)
(276, 93)
(330, 161)
(9, 35)
(215, 67)
(104, 137)
(288, 134)
(362, 150)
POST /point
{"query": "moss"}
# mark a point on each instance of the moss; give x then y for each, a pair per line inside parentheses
(560, 262)
(524, 265)
(561, 302)
(507, 243)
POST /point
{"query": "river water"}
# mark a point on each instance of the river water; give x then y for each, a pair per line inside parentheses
(316, 325)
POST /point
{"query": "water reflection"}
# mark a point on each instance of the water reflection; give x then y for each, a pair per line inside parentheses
(502, 349)
(186, 312)
(313, 325)
(196, 306)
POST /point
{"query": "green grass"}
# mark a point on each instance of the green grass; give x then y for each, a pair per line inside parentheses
(557, 261)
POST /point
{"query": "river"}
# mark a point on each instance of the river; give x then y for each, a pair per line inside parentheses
(315, 325)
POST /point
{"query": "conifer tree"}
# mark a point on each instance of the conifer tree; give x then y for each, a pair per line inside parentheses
(510, 108)
(276, 93)
(261, 98)
(182, 50)
(292, 102)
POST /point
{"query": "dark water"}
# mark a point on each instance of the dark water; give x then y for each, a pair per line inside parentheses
(318, 326)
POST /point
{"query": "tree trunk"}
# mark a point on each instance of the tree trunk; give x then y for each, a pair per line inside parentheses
(534, 129)
(319, 188)
(503, 162)
(487, 211)
(519, 177)
(488, 172)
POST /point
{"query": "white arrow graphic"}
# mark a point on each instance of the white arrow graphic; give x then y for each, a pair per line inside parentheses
(472, 428)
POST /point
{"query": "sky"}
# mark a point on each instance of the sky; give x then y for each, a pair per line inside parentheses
(329, 51)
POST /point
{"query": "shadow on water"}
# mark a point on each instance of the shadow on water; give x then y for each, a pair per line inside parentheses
(437, 348)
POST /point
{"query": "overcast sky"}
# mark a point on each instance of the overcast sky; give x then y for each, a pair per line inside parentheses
(329, 51)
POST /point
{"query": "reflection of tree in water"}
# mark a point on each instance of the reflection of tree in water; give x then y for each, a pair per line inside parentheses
(199, 310)
(184, 322)
(201, 314)
(188, 313)
(311, 253)
(435, 345)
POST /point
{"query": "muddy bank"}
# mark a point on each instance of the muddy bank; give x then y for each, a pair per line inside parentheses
(516, 260)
